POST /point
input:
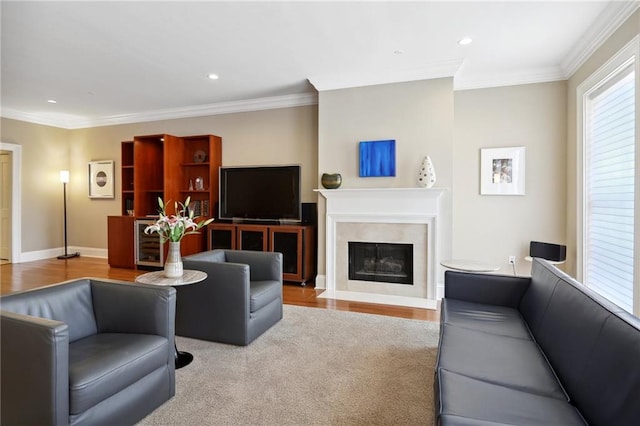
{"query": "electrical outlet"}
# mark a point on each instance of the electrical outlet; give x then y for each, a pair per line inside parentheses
(512, 260)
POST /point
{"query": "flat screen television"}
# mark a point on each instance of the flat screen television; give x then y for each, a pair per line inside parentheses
(261, 193)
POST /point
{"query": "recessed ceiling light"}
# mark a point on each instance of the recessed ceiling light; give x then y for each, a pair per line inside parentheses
(51, 101)
(465, 41)
(213, 76)
(398, 52)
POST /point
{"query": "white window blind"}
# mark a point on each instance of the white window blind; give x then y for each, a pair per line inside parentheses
(609, 188)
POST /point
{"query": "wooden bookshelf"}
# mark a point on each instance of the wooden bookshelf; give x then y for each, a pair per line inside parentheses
(126, 167)
(168, 167)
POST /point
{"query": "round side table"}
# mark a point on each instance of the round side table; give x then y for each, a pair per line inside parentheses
(469, 265)
(188, 277)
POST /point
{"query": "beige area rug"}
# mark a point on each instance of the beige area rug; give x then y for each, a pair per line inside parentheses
(315, 367)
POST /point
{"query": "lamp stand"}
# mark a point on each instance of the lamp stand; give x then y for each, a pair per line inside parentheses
(66, 255)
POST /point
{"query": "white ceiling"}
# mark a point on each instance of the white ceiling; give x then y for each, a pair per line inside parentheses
(107, 62)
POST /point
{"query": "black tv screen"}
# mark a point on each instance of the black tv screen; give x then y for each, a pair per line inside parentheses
(260, 193)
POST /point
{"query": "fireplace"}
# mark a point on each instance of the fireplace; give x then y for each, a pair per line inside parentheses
(381, 262)
(413, 216)
(386, 259)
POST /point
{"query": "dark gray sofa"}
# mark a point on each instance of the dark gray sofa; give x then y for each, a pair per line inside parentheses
(87, 351)
(240, 299)
(543, 350)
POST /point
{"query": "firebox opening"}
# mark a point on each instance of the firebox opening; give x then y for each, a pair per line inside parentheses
(381, 262)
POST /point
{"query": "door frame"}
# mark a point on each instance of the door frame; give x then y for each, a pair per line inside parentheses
(16, 199)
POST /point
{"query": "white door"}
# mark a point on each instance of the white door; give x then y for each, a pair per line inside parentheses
(5, 207)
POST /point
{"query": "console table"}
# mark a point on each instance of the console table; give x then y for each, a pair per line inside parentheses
(295, 242)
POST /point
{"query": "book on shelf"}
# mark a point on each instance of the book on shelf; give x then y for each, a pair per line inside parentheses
(200, 208)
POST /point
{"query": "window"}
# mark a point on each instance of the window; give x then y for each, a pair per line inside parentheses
(609, 188)
(610, 217)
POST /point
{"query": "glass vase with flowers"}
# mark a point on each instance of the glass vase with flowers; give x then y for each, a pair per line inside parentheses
(173, 228)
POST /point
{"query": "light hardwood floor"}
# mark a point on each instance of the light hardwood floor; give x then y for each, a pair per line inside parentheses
(23, 276)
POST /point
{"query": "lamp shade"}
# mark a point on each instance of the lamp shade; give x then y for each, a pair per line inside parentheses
(64, 176)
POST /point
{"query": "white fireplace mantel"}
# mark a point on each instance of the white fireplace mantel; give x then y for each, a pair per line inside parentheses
(385, 205)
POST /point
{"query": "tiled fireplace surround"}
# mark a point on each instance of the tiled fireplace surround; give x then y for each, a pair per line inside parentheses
(385, 215)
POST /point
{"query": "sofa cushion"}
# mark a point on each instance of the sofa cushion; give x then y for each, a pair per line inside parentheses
(569, 330)
(492, 319)
(490, 289)
(207, 256)
(70, 303)
(508, 361)
(263, 293)
(104, 364)
(593, 345)
(535, 300)
(608, 390)
(468, 401)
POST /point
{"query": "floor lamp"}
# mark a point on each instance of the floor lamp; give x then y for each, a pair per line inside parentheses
(64, 178)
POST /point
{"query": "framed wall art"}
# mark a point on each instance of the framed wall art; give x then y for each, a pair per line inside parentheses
(378, 158)
(502, 171)
(101, 179)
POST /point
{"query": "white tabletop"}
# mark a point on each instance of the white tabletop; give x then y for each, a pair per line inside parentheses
(158, 278)
(553, 262)
(469, 265)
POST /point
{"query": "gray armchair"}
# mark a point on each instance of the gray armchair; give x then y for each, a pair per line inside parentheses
(240, 299)
(86, 351)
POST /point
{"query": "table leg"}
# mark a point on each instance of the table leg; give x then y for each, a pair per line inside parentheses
(182, 358)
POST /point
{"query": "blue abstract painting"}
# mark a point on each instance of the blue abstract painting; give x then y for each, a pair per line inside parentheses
(378, 158)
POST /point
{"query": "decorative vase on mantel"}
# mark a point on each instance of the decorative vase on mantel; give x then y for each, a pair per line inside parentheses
(173, 264)
(331, 180)
(427, 173)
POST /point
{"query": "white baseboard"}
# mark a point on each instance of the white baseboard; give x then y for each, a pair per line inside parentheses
(32, 256)
(91, 252)
(321, 282)
(440, 291)
(412, 302)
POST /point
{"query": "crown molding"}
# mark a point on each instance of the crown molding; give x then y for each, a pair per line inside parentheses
(15, 114)
(542, 75)
(248, 105)
(423, 72)
(606, 24)
(615, 14)
(275, 102)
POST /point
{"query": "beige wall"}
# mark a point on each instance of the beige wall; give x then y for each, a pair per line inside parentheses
(425, 117)
(422, 116)
(428, 117)
(45, 151)
(627, 31)
(418, 115)
(278, 136)
(489, 227)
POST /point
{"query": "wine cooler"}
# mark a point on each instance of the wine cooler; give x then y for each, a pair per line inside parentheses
(149, 250)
